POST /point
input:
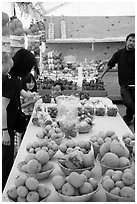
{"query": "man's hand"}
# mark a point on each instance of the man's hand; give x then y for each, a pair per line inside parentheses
(6, 138)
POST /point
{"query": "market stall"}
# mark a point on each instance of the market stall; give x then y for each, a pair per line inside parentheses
(100, 124)
(74, 127)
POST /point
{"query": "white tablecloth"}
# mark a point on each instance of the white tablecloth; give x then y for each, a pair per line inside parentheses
(101, 123)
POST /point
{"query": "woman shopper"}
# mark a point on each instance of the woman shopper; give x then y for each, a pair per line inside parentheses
(125, 58)
(23, 62)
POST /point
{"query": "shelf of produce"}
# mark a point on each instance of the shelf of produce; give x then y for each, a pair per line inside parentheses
(101, 123)
(92, 93)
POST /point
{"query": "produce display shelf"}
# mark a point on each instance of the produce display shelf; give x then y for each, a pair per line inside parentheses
(101, 123)
(86, 40)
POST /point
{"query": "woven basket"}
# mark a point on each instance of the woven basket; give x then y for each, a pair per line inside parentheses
(38, 176)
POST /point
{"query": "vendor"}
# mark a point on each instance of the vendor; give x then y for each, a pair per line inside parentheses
(125, 58)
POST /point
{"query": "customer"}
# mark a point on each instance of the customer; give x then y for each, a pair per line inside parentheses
(11, 91)
(28, 84)
(125, 59)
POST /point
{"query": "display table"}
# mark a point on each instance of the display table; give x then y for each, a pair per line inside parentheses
(101, 123)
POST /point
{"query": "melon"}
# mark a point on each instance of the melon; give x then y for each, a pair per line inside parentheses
(110, 159)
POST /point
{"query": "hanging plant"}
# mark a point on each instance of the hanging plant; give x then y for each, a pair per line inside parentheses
(24, 7)
(29, 9)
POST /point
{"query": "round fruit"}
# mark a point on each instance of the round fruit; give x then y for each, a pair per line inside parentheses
(110, 159)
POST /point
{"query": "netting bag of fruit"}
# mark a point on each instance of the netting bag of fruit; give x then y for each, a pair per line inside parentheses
(68, 115)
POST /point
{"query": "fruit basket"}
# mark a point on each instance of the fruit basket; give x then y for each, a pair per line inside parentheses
(40, 199)
(105, 168)
(116, 198)
(81, 198)
(113, 198)
(40, 175)
(28, 189)
(71, 145)
(67, 171)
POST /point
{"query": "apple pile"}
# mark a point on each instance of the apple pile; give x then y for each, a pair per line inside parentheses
(70, 145)
(74, 185)
(120, 183)
(47, 145)
(36, 163)
(28, 189)
(5, 27)
(77, 160)
(16, 27)
(52, 132)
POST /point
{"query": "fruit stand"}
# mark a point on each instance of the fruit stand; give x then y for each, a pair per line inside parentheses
(102, 124)
(76, 147)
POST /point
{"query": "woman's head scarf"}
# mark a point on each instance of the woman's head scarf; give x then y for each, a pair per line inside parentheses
(24, 61)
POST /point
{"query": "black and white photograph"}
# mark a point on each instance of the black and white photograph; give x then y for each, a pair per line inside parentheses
(68, 101)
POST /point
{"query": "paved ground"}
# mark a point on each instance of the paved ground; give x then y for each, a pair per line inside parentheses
(122, 111)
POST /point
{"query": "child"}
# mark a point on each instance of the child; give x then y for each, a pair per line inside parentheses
(29, 85)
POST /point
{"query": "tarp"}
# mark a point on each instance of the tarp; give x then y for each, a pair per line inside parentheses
(82, 8)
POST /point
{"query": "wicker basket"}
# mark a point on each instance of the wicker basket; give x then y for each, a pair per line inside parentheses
(67, 171)
(38, 176)
(105, 168)
(81, 198)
